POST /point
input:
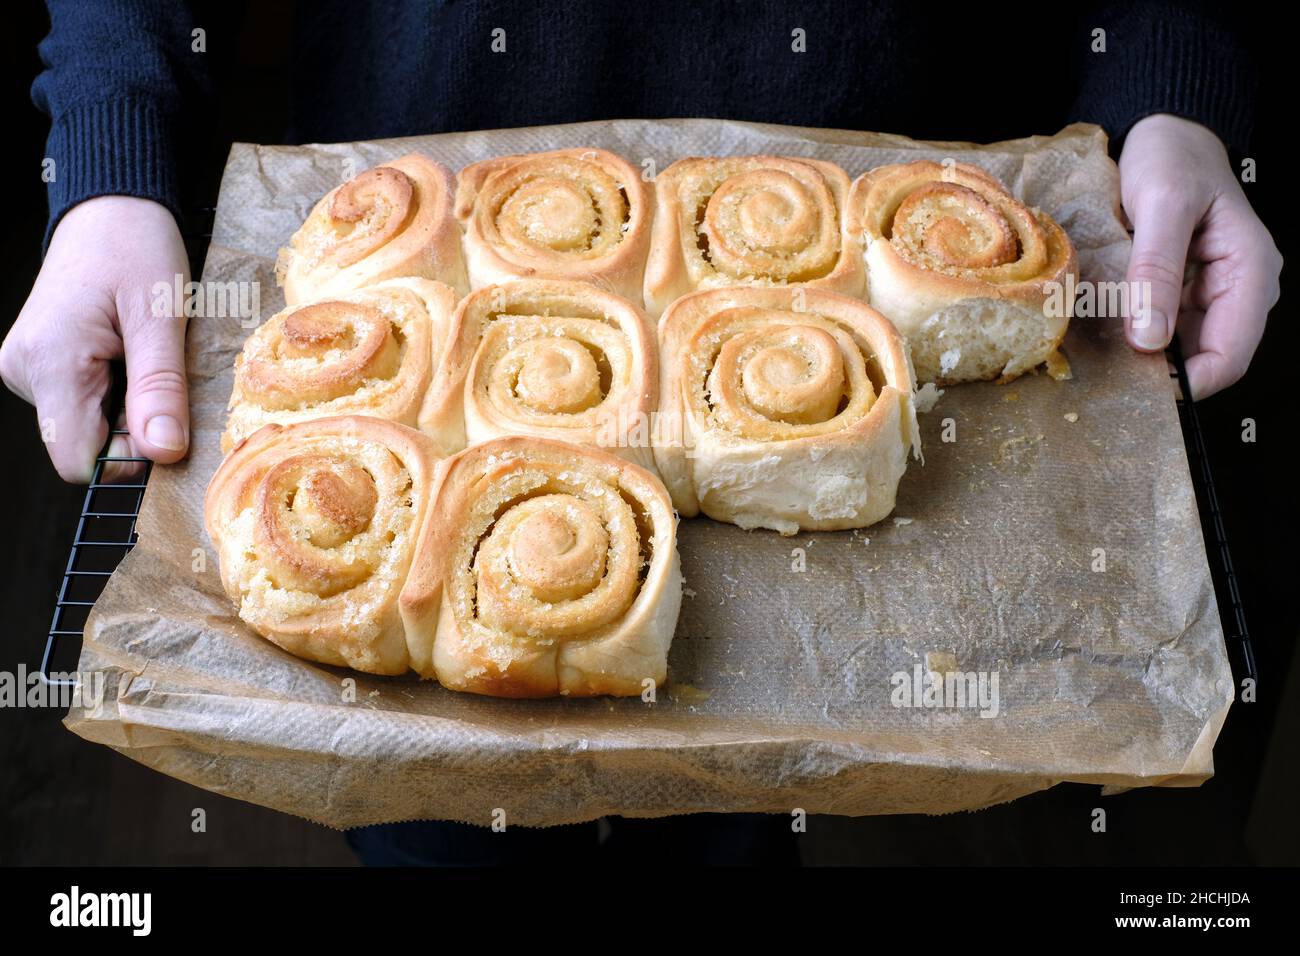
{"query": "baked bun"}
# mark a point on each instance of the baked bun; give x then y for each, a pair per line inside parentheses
(792, 409)
(388, 222)
(315, 525)
(551, 570)
(579, 214)
(549, 358)
(369, 352)
(750, 220)
(963, 269)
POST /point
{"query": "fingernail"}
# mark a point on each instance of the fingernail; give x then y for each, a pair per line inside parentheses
(1153, 333)
(163, 431)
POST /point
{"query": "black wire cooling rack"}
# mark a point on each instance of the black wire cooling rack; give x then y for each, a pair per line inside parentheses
(1240, 648)
(105, 533)
(106, 529)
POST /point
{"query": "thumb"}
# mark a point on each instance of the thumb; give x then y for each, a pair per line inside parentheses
(1161, 235)
(157, 400)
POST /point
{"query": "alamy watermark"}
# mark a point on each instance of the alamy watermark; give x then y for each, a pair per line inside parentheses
(1098, 300)
(62, 690)
(212, 300)
(946, 689)
(637, 429)
(77, 907)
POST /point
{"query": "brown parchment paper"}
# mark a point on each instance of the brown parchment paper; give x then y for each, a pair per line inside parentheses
(780, 693)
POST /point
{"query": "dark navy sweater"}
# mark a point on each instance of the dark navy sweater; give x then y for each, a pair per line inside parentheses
(124, 77)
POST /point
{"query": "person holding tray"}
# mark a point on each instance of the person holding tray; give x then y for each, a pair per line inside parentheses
(125, 79)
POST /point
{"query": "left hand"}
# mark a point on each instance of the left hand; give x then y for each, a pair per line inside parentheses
(1187, 206)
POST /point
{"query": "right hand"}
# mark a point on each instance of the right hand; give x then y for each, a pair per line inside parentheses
(1187, 206)
(92, 303)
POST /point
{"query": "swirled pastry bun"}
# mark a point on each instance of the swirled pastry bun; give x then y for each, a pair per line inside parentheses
(369, 352)
(580, 214)
(391, 221)
(750, 220)
(793, 409)
(549, 358)
(964, 270)
(551, 570)
(315, 525)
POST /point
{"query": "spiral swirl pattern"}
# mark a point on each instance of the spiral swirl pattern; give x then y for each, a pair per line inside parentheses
(968, 229)
(315, 352)
(369, 352)
(391, 221)
(785, 418)
(566, 214)
(315, 526)
(777, 376)
(760, 220)
(366, 212)
(558, 571)
(778, 221)
(309, 510)
(963, 268)
(554, 359)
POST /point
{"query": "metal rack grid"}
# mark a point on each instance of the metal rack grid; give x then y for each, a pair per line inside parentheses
(105, 533)
(1236, 633)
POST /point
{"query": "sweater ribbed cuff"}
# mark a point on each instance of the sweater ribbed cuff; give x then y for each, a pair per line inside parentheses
(110, 149)
(1173, 66)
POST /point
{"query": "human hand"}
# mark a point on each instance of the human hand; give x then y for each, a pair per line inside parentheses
(92, 304)
(1187, 207)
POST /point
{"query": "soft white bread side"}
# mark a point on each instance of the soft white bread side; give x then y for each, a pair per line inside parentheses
(788, 409)
(965, 271)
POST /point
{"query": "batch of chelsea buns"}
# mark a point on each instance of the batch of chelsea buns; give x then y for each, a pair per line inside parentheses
(463, 446)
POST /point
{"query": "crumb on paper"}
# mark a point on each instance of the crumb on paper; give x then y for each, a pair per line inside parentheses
(926, 397)
(1058, 366)
(1071, 417)
(940, 662)
(1011, 450)
(687, 693)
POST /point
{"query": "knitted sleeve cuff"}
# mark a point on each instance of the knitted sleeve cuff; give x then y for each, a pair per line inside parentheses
(1177, 64)
(117, 148)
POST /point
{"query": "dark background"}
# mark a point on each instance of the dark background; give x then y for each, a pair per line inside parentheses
(65, 801)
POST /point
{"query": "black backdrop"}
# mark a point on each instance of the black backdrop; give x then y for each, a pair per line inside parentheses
(66, 801)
